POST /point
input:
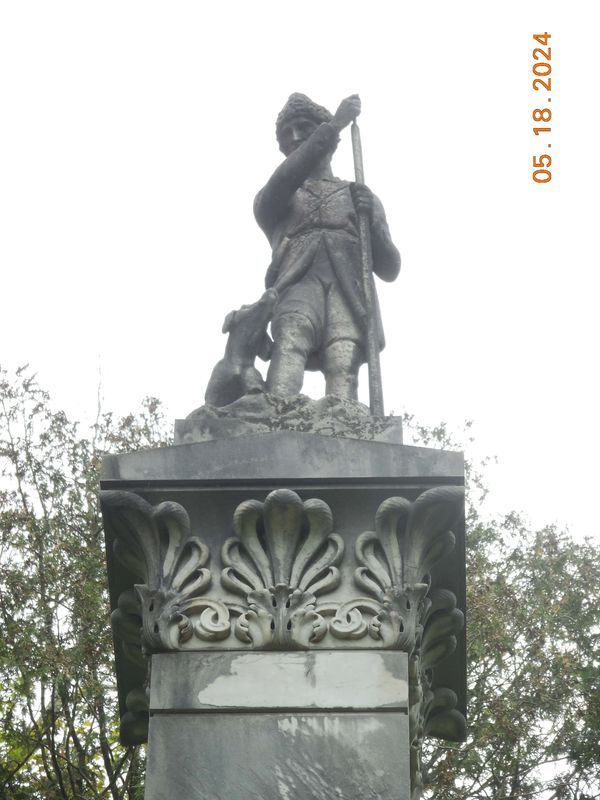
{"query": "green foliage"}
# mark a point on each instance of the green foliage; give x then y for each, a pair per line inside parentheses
(533, 651)
(57, 698)
(533, 643)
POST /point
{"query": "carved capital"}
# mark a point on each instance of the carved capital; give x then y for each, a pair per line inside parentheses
(288, 582)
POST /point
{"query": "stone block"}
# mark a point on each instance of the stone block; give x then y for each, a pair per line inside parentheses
(278, 757)
(325, 680)
(318, 744)
(284, 456)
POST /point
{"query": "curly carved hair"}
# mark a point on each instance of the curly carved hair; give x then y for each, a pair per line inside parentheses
(299, 104)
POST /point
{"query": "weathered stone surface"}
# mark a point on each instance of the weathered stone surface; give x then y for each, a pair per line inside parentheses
(326, 680)
(298, 756)
(260, 413)
(338, 727)
(285, 456)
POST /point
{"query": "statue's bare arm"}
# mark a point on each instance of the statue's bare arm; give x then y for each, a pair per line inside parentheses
(386, 258)
(272, 201)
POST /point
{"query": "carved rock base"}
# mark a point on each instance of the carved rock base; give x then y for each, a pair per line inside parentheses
(266, 413)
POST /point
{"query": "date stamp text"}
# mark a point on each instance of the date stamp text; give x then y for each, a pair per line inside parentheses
(542, 82)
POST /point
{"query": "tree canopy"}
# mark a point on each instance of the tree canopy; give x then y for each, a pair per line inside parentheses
(533, 660)
(533, 651)
(57, 688)
(533, 628)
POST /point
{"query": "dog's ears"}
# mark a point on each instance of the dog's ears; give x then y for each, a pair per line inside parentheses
(228, 322)
(265, 348)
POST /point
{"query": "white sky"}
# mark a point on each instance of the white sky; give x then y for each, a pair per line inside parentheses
(135, 135)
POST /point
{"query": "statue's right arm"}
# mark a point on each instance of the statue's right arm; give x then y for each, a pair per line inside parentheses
(271, 203)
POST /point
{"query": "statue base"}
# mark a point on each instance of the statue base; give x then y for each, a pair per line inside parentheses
(261, 412)
(287, 613)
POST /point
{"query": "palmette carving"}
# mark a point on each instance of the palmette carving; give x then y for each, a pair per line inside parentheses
(394, 563)
(283, 557)
(155, 544)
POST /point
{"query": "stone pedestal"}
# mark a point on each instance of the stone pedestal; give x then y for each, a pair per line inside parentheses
(288, 613)
(294, 725)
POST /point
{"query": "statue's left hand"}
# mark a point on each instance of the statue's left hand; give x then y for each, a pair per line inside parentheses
(362, 198)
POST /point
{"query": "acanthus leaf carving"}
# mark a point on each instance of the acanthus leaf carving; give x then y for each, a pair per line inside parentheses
(432, 710)
(126, 621)
(442, 622)
(134, 722)
(441, 718)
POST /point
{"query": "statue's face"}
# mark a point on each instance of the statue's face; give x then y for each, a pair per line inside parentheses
(294, 132)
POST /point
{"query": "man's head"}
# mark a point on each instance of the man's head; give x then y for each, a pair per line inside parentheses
(297, 120)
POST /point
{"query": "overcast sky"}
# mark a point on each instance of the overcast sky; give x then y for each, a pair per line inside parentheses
(135, 135)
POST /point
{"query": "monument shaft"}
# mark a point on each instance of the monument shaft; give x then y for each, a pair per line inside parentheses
(287, 606)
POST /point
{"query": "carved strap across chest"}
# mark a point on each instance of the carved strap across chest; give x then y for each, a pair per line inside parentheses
(322, 205)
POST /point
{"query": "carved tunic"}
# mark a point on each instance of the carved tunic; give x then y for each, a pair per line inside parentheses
(313, 230)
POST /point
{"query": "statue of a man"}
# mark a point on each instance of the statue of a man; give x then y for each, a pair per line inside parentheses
(310, 219)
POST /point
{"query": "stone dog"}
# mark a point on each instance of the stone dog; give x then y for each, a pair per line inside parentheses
(235, 374)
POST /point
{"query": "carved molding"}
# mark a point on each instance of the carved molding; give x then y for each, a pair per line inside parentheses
(284, 562)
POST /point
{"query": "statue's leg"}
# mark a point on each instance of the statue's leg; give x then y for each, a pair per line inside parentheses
(341, 362)
(293, 340)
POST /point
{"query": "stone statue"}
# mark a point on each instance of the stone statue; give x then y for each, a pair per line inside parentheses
(310, 219)
(315, 293)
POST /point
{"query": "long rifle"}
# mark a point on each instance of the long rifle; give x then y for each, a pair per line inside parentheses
(366, 253)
